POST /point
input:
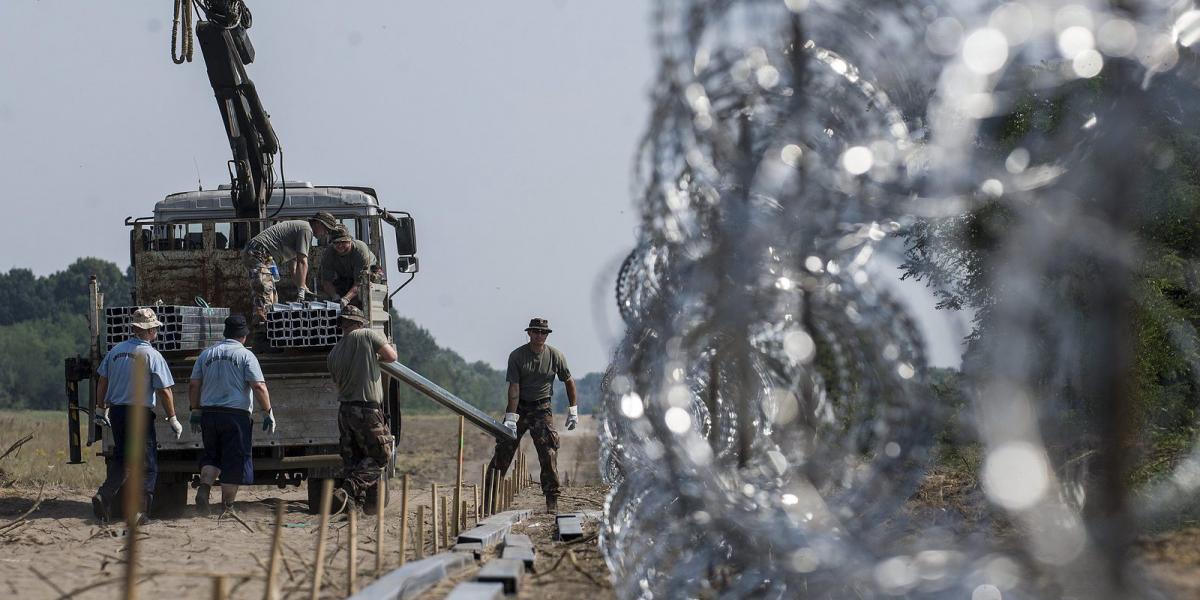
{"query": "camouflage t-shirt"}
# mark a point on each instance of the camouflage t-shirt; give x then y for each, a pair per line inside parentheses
(535, 372)
(355, 367)
(346, 266)
(284, 241)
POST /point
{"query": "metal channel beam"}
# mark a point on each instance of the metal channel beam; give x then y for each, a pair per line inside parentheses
(436, 393)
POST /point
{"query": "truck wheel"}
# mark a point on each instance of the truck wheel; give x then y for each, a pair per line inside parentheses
(170, 500)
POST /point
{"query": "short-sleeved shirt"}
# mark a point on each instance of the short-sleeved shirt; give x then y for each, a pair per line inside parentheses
(535, 372)
(284, 241)
(355, 367)
(227, 370)
(117, 366)
(336, 266)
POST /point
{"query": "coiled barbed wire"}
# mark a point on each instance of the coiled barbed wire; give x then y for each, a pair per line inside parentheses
(767, 416)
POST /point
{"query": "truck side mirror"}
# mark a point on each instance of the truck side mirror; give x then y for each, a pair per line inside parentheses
(406, 237)
(407, 264)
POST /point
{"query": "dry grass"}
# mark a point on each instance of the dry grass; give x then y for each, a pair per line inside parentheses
(43, 459)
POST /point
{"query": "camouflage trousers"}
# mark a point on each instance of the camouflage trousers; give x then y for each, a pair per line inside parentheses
(262, 284)
(538, 420)
(366, 445)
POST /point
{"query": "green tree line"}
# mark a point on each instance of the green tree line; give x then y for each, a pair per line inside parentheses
(959, 257)
(43, 321)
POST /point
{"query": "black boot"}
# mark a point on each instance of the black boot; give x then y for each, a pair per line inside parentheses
(101, 508)
(202, 492)
(551, 505)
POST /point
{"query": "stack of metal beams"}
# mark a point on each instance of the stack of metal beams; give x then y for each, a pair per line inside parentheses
(184, 327)
(303, 324)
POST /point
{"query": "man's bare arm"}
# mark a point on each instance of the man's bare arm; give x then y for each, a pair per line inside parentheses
(571, 399)
(168, 401)
(301, 273)
(261, 395)
(387, 353)
(514, 394)
(194, 394)
(101, 393)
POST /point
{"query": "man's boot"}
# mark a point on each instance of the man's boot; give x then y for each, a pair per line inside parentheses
(101, 508)
(143, 516)
(551, 505)
(202, 492)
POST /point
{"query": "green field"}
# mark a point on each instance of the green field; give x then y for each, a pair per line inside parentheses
(43, 459)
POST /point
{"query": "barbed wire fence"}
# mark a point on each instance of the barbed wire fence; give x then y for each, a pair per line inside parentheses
(768, 414)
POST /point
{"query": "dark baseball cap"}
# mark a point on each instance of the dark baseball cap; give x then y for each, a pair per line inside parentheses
(235, 327)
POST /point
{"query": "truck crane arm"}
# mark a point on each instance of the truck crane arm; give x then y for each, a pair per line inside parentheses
(227, 50)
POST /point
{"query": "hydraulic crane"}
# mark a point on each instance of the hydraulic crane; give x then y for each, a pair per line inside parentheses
(227, 50)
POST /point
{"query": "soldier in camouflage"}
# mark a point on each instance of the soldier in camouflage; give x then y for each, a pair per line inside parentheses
(284, 243)
(531, 372)
(366, 443)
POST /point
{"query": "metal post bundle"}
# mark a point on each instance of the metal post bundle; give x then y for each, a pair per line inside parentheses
(303, 324)
(183, 327)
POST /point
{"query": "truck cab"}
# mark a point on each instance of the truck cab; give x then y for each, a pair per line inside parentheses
(190, 251)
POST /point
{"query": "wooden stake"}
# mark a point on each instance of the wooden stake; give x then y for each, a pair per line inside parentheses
(352, 554)
(434, 519)
(276, 553)
(380, 530)
(319, 564)
(220, 588)
(135, 456)
(458, 480)
(419, 547)
(446, 521)
(483, 487)
(478, 510)
(403, 518)
(462, 511)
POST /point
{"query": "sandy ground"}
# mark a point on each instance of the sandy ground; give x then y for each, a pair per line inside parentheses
(60, 549)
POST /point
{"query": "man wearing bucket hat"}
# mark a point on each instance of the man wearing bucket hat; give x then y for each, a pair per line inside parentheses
(366, 443)
(222, 382)
(531, 372)
(283, 243)
(341, 267)
(133, 371)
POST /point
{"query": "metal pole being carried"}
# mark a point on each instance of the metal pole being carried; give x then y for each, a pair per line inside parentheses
(436, 393)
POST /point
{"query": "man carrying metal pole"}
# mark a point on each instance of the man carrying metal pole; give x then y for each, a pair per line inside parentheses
(531, 372)
(366, 443)
(222, 381)
(116, 391)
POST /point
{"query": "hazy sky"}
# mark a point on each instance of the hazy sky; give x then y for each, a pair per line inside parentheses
(506, 129)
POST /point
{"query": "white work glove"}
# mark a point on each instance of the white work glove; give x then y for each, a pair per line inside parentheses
(510, 421)
(176, 426)
(572, 417)
(102, 419)
(269, 421)
(343, 301)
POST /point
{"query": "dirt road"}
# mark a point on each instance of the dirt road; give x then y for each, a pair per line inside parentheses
(60, 549)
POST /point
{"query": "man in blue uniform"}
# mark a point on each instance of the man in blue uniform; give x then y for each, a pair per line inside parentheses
(222, 382)
(129, 373)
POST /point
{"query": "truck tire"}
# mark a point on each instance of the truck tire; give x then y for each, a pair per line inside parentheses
(170, 500)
